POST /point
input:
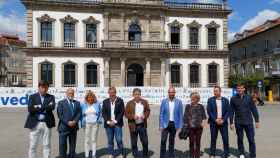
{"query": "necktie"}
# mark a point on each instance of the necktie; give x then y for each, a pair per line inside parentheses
(72, 106)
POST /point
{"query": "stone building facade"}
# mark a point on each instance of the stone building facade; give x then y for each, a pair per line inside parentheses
(258, 51)
(101, 43)
(12, 58)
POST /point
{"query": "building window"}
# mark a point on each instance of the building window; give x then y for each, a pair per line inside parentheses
(243, 69)
(69, 74)
(194, 75)
(266, 45)
(244, 52)
(176, 75)
(91, 35)
(212, 75)
(92, 75)
(194, 41)
(175, 37)
(134, 33)
(212, 38)
(46, 34)
(14, 79)
(69, 35)
(47, 72)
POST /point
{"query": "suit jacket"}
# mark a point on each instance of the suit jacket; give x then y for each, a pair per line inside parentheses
(130, 113)
(243, 110)
(212, 110)
(36, 107)
(119, 111)
(164, 113)
(65, 114)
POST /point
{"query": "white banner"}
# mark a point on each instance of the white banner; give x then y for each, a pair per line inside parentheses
(18, 97)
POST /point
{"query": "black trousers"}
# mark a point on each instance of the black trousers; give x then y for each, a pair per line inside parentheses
(71, 137)
(171, 132)
(142, 132)
(214, 129)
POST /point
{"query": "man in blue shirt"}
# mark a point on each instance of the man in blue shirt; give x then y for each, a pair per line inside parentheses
(243, 111)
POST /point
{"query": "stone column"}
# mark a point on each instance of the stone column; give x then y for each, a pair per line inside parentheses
(122, 26)
(107, 72)
(148, 27)
(162, 23)
(123, 83)
(148, 72)
(162, 72)
(106, 26)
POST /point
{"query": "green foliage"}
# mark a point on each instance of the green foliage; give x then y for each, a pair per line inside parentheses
(249, 80)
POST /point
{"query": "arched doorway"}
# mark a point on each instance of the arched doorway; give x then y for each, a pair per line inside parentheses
(135, 75)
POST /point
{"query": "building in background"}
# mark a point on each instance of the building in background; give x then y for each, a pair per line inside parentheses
(258, 51)
(12, 61)
(99, 43)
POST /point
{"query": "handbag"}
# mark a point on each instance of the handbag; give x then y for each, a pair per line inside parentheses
(185, 132)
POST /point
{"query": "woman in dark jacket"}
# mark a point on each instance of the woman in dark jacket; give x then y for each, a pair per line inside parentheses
(195, 119)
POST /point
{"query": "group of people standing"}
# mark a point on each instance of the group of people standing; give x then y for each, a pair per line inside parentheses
(72, 114)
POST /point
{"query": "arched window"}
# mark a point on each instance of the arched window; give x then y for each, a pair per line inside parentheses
(212, 75)
(134, 32)
(46, 73)
(69, 77)
(92, 75)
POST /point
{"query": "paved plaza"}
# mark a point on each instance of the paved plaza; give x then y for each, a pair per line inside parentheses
(14, 138)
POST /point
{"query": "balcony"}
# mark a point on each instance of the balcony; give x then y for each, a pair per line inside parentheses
(175, 46)
(276, 51)
(91, 45)
(195, 85)
(69, 44)
(134, 44)
(190, 4)
(212, 47)
(46, 44)
(194, 46)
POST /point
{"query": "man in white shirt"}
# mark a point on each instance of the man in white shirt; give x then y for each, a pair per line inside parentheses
(218, 109)
(137, 112)
(170, 121)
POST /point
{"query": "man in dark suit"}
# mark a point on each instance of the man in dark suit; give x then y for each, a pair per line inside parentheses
(243, 111)
(40, 120)
(218, 109)
(69, 113)
(113, 112)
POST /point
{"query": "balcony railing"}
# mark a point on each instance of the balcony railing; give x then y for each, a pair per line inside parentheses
(175, 46)
(176, 84)
(91, 45)
(195, 85)
(69, 44)
(212, 84)
(134, 44)
(194, 46)
(212, 47)
(46, 44)
(166, 3)
(276, 51)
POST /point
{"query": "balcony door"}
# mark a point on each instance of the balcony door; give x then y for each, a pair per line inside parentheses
(135, 75)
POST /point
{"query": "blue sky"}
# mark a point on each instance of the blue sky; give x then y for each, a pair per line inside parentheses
(246, 14)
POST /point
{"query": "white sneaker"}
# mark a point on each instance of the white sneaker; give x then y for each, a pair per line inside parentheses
(242, 156)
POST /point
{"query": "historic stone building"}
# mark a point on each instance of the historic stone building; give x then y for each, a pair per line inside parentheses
(98, 43)
(258, 51)
(12, 71)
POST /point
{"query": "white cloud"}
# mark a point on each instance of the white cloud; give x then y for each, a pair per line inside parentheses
(231, 36)
(275, 1)
(12, 24)
(259, 19)
(2, 3)
(234, 16)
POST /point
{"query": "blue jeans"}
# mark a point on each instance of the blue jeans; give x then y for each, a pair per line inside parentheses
(117, 133)
(250, 133)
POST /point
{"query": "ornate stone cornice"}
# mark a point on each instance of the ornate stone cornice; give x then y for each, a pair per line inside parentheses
(212, 24)
(194, 24)
(176, 23)
(45, 18)
(91, 20)
(69, 19)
